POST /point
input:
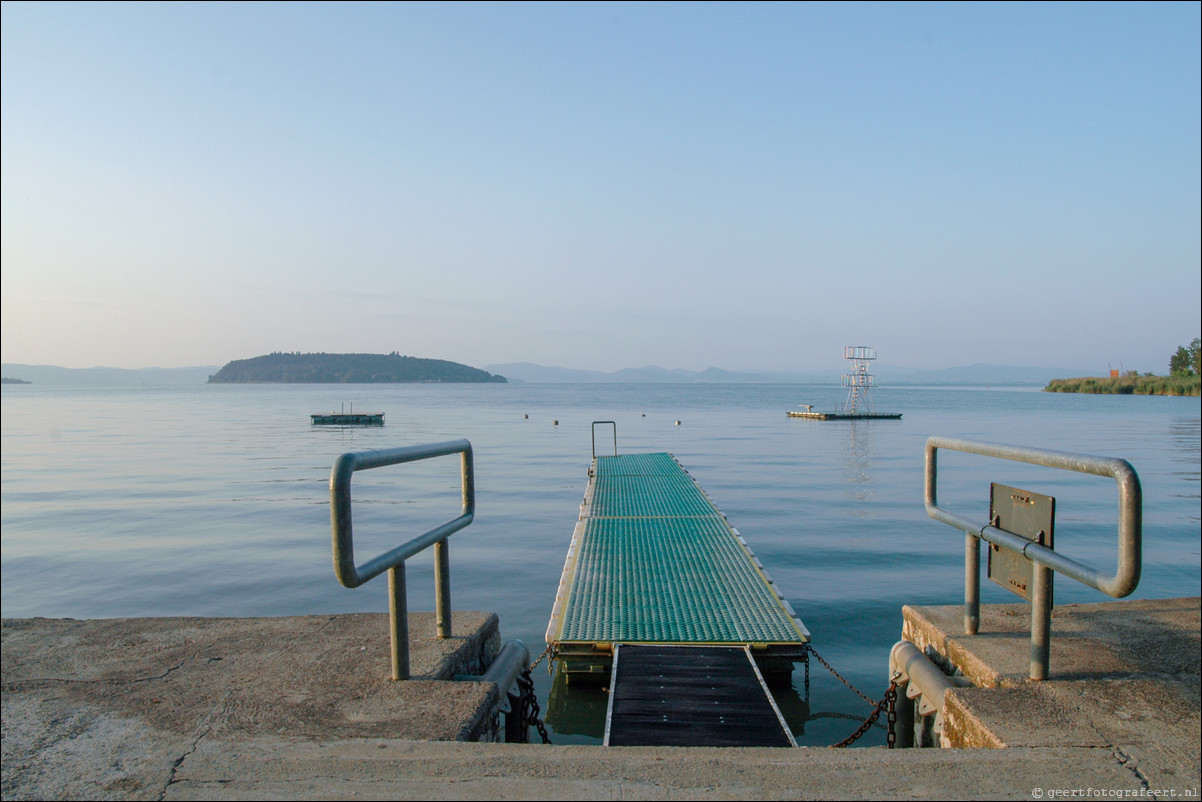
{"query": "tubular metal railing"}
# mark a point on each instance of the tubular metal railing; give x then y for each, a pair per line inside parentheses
(611, 423)
(393, 561)
(1130, 537)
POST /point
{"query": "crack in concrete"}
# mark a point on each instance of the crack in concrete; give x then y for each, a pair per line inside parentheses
(168, 672)
(202, 729)
(1126, 762)
(41, 682)
(194, 656)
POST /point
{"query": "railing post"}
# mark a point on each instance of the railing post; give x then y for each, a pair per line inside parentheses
(972, 583)
(1041, 622)
(442, 589)
(467, 471)
(972, 544)
(398, 618)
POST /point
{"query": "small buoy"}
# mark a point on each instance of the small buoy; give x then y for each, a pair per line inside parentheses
(527, 417)
(556, 423)
(644, 414)
(677, 423)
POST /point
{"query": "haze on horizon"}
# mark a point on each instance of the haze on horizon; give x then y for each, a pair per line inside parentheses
(599, 186)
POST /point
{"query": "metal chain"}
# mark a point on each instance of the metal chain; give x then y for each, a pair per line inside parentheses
(891, 697)
(841, 678)
(530, 709)
(541, 657)
(831, 714)
(887, 702)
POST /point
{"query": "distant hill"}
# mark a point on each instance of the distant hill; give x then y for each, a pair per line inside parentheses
(283, 368)
(525, 372)
(888, 374)
(973, 374)
(53, 376)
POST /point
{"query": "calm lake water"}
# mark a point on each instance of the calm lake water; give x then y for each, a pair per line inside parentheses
(213, 501)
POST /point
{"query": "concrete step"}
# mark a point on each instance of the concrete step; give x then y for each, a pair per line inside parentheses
(302, 708)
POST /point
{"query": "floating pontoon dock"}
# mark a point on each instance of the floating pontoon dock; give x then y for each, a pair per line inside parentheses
(837, 416)
(349, 418)
(654, 562)
(691, 696)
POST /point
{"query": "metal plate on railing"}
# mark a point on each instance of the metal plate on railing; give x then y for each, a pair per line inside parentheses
(1029, 515)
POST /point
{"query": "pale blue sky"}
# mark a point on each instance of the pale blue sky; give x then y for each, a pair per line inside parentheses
(601, 186)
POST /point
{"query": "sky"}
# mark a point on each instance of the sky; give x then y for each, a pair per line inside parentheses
(599, 186)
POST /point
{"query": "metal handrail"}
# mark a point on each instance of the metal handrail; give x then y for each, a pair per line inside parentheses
(1130, 537)
(611, 423)
(393, 561)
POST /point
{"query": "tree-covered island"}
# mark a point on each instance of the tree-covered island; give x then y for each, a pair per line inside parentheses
(297, 368)
(1185, 378)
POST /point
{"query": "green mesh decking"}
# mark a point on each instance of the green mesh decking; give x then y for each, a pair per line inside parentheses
(653, 561)
(647, 497)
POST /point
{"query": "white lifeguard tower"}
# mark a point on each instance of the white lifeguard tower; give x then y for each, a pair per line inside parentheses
(859, 381)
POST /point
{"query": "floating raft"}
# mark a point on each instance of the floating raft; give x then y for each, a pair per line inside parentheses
(653, 561)
(838, 416)
(349, 418)
(691, 696)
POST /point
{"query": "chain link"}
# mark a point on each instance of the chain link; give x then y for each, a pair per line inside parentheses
(891, 697)
(887, 702)
(541, 657)
(841, 678)
(530, 709)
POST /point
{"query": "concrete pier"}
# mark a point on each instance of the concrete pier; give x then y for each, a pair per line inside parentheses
(112, 708)
(1124, 677)
(302, 708)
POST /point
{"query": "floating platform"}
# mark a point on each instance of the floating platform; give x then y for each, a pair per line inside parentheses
(839, 416)
(691, 696)
(348, 419)
(653, 561)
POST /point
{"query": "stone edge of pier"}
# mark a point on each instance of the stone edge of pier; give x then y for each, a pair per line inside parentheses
(1124, 677)
(302, 708)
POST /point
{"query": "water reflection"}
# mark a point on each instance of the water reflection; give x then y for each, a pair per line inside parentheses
(579, 708)
(858, 454)
(1185, 449)
(793, 707)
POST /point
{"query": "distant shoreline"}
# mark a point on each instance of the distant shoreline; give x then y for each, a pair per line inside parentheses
(1128, 385)
(297, 368)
